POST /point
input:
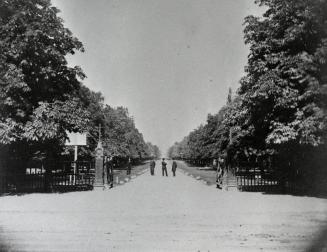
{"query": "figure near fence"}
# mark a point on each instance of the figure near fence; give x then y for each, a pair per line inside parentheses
(218, 165)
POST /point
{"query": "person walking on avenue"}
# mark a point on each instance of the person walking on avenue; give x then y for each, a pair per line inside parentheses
(174, 167)
(129, 166)
(164, 168)
(152, 165)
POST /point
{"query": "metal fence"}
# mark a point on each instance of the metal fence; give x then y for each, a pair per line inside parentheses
(59, 176)
(257, 181)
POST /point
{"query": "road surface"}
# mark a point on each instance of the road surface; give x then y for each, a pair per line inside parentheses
(155, 213)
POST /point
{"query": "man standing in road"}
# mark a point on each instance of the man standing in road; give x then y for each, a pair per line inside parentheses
(174, 167)
(164, 168)
(152, 165)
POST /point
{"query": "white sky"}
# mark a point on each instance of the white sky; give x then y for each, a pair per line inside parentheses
(169, 61)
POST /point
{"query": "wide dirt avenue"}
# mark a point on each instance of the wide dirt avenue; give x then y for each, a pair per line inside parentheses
(155, 213)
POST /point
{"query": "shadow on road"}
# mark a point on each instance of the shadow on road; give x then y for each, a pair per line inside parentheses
(59, 191)
(4, 246)
(320, 242)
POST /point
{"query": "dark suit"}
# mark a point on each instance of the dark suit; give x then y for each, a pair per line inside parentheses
(109, 173)
(173, 168)
(129, 167)
(152, 165)
(164, 168)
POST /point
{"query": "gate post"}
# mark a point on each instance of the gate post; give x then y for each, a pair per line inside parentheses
(99, 171)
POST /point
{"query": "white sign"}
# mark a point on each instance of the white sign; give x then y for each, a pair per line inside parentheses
(76, 139)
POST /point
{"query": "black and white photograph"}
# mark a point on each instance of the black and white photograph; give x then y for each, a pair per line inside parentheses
(163, 125)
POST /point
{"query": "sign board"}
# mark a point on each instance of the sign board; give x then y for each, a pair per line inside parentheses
(76, 139)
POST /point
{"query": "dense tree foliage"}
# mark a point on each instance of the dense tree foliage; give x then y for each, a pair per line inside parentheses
(38, 90)
(153, 151)
(42, 97)
(120, 134)
(283, 96)
(206, 142)
(115, 128)
(279, 112)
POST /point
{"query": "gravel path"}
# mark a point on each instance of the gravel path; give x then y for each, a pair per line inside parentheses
(160, 214)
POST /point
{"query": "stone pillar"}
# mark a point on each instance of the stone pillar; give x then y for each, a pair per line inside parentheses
(99, 171)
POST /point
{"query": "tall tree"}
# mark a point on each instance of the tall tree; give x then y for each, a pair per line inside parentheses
(39, 98)
(284, 98)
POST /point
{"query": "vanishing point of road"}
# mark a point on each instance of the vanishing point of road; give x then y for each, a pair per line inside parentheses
(155, 213)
